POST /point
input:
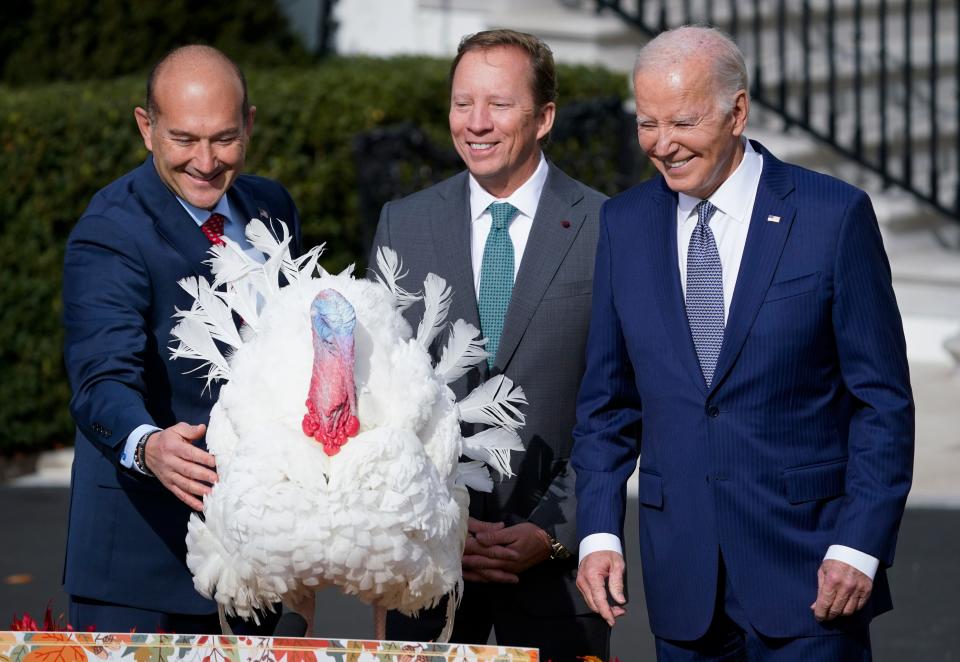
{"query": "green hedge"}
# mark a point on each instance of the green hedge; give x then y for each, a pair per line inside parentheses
(60, 143)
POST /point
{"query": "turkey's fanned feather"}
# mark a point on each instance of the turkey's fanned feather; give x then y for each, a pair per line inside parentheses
(436, 303)
(493, 447)
(464, 349)
(389, 271)
(495, 402)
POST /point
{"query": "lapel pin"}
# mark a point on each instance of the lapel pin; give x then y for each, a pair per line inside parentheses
(264, 214)
(773, 219)
(565, 224)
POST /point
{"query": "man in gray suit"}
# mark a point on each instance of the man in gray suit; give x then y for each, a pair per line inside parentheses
(515, 237)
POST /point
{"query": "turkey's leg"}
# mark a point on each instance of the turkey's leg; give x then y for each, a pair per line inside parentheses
(379, 622)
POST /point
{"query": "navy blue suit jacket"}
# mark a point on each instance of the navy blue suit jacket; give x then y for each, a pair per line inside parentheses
(805, 438)
(126, 533)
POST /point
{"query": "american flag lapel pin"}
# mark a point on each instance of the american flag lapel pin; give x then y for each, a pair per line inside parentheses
(773, 219)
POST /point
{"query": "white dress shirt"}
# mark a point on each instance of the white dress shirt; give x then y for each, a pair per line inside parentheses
(734, 200)
(235, 231)
(526, 199)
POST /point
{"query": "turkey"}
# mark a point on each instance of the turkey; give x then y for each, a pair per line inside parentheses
(337, 439)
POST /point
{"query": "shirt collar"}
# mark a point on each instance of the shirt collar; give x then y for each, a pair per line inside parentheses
(734, 196)
(200, 216)
(526, 198)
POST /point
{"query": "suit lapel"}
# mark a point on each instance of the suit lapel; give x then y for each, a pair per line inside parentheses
(761, 254)
(171, 220)
(547, 245)
(450, 225)
(667, 283)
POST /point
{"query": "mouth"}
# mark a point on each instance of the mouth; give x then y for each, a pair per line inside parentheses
(673, 165)
(480, 147)
(204, 179)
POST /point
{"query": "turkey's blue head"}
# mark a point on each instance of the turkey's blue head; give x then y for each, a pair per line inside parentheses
(332, 400)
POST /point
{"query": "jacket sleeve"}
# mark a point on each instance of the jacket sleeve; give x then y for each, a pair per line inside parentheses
(873, 363)
(106, 297)
(606, 436)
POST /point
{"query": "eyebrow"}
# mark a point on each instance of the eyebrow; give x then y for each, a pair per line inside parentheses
(226, 133)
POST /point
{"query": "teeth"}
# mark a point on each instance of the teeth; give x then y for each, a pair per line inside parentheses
(676, 164)
(480, 145)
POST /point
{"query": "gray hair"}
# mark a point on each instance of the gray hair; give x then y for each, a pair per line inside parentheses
(699, 41)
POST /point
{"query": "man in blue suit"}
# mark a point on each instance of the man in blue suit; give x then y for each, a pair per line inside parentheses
(746, 345)
(140, 466)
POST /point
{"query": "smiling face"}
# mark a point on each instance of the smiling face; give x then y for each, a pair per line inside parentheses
(693, 142)
(494, 122)
(199, 134)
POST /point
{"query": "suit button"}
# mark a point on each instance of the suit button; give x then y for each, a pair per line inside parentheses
(713, 411)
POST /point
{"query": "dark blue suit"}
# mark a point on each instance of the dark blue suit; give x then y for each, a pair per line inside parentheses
(805, 438)
(123, 260)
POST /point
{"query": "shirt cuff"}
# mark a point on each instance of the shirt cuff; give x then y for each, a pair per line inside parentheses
(600, 542)
(130, 447)
(863, 562)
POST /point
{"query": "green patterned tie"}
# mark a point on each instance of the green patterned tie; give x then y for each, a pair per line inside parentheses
(496, 276)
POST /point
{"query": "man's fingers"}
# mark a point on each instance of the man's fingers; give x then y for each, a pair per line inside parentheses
(842, 590)
(615, 585)
(192, 502)
(475, 525)
(599, 594)
(494, 537)
(190, 432)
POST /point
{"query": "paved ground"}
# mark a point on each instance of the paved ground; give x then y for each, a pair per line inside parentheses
(925, 626)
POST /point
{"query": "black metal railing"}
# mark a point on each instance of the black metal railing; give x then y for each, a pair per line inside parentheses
(877, 80)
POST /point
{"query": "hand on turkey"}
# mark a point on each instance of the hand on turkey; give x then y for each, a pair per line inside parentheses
(181, 467)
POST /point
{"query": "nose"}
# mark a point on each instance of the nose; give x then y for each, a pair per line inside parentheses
(664, 143)
(479, 120)
(204, 158)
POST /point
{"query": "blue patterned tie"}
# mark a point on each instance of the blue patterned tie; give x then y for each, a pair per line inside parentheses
(705, 292)
(496, 276)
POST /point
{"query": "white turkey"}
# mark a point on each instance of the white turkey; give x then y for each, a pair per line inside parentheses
(337, 440)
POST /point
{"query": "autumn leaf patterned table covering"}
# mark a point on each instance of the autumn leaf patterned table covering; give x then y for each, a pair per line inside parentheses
(136, 647)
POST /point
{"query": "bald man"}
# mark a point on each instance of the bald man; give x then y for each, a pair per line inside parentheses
(141, 466)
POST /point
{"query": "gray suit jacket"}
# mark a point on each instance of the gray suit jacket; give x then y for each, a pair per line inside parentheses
(541, 349)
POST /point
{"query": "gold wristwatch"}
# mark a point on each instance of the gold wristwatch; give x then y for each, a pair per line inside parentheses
(557, 550)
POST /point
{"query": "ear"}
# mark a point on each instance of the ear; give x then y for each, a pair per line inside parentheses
(145, 126)
(545, 119)
(248, 122)
(740, 112)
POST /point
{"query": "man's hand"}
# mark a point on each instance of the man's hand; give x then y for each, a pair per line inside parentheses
(183, 468)
(598, 572)
(486, 563)
(841, 590)
(528, 543)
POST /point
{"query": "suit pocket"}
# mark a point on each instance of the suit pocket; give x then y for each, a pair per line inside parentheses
(569, 289)
(814, 482)
(650, 489)
(793, 287)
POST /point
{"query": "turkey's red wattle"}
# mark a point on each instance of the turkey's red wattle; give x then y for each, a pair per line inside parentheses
(331, 400)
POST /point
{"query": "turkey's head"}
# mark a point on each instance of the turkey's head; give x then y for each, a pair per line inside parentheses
(332, 399)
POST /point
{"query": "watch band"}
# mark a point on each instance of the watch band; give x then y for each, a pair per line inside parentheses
(140, 455)
(557, 550)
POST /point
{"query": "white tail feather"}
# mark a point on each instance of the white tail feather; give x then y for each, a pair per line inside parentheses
(493, 446)
(494, 403)
(474, 474)
(436, 302)
(390, 270)
(213, 311)
(197, 343)
(463, 351)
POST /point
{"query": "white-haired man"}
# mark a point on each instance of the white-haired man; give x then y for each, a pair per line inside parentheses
(743, 315)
